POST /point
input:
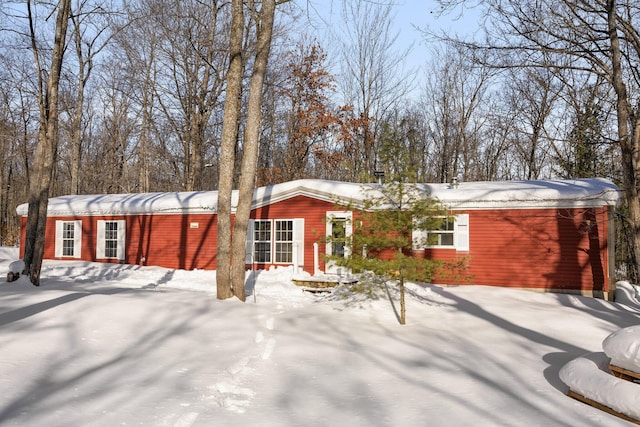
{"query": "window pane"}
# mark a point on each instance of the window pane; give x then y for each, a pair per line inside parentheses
(284, 252)
(67, 230)
(338, 237)
(450, 223)
(111, 230)
(446, 224)
(440, 239)
(262, 231)
(111, 249)
(67, 248)
(442, 232)
(284, 241)
(68, 238)
(262, 252)
(446, 239)
(284, 231)
(111, 239)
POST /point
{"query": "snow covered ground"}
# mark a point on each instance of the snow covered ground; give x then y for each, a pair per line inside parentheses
(109, 345)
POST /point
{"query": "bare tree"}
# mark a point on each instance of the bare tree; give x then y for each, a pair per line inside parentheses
(228, 142)
(48, 81)
(90, 35)
(114, 148)
(372, 78)
(532, 95)
(454, 92)
(17, 131)
(590, 36)
(231, 269)
(585, 150)
(178, 59)
(135, 51)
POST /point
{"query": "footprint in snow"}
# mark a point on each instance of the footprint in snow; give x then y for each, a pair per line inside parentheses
(240, 367)
(270, 323)
(233, 397)
(268, 349)
(186, 420)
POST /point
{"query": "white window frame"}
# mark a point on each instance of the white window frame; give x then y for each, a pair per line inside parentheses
(460, 235)
(120, 239)
(347, 218)
(297, 242)
(60, 238)
(261, 241)
(283, 238)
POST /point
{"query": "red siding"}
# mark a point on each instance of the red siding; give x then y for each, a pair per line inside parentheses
(314, 213)
(536, 248)
(525, 248)
(169, 241)
(163, 240)
(175, 241)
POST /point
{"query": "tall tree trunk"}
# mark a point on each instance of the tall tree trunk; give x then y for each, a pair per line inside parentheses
(629, 141)
(76, 122)
(46, 147)
(250, 148)
(227, 151)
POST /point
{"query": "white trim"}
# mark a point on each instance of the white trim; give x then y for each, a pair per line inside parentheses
(77, 239)
(248, 257)
(250, 247)
(297, 255)
(59, 241)
(541, 194)
(298, 242)
(347, 217)
(461, 232)
(121, 239)
(460, 236)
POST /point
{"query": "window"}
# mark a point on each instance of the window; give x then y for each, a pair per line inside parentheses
(338, 236)
(262, 241)
(442, 235)
(450, 232)
(284, 241)
(111, 240)
(278, 241)
(68, 239)
(339, 229)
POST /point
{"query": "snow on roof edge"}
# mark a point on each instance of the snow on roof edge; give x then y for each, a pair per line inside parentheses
(589, 192)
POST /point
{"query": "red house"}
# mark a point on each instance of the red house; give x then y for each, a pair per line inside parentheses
(554, 235)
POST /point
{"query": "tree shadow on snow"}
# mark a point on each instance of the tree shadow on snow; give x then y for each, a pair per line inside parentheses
(33, 309)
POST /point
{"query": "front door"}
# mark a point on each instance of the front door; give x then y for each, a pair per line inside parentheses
(338, 238)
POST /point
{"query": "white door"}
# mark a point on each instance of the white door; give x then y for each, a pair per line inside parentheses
(339, 230)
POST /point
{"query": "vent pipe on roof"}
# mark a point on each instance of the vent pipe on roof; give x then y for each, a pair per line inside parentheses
(454, 182)
(379, 176)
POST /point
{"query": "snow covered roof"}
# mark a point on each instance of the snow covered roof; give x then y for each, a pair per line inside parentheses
(467, 195)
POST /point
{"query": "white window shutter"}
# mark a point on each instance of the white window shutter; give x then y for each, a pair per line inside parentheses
(418, 236)
(462, 232)
(59, 231)
(298, 239)
(249, 247)
(122, 234)
(77, 239)
(348, 231)
(100, 240)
